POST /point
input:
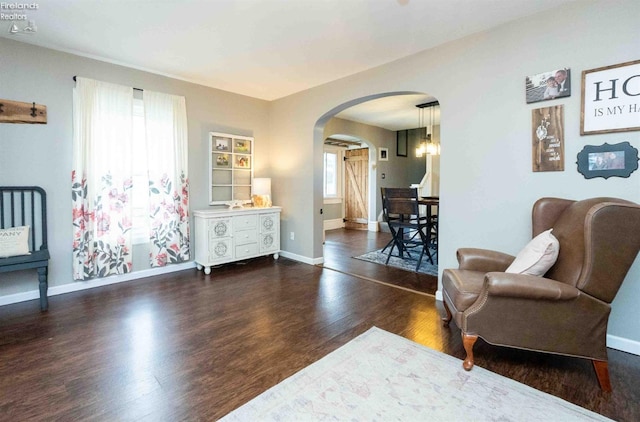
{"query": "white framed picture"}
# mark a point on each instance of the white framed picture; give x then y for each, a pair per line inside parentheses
(383, 154)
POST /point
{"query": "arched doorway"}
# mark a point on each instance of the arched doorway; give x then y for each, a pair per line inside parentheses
(379, 167)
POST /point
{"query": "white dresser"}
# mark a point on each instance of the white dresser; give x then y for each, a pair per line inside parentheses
(228, 235)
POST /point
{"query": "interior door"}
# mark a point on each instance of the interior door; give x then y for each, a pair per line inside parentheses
(356, 168)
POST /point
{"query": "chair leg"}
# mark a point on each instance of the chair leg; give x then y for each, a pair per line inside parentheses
(602, 372)
(468, 341)
(43, 284)
(448, 315)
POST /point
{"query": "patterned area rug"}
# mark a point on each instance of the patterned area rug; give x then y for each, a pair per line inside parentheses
(407, 263)
(382, 376)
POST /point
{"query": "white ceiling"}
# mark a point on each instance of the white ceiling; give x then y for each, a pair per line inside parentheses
(266, 49)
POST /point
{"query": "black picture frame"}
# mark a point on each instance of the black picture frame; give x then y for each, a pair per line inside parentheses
(402, 143)
(617, 160)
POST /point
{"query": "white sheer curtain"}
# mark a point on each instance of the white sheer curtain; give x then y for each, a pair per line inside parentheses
(166, 133)
(101, 179)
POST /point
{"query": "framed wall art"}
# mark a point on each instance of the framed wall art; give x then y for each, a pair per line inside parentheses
(606, 160)
(402, 143)
(611, 99)
(547, 144)
(383, 154)
(548, 85)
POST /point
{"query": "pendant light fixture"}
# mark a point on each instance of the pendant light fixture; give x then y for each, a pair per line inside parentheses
(426, 145)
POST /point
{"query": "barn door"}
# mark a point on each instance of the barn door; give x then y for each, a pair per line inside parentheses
(356, 168)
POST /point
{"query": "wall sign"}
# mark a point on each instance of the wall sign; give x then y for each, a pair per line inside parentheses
(611, 99)
(547, 146)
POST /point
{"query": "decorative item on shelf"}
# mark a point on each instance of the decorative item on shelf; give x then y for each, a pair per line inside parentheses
(427, 145)
(606, 160)
(235, 204)
(261, 192)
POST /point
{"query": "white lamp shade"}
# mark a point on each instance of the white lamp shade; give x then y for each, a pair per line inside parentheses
(262, 186)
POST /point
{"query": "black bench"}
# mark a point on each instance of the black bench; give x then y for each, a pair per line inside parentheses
(27, 206)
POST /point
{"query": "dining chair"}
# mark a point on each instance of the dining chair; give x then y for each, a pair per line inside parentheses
(409, 228)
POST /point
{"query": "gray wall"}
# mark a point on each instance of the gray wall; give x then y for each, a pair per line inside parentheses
(42, 154)
(487, 186)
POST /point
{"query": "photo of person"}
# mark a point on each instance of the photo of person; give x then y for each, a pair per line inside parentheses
(612, 160)
(548, 85)
(552, 89)
(222, 144)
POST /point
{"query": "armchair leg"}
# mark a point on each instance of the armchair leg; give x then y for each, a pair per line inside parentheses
(468, 341)
(447, 318)
(602, 372)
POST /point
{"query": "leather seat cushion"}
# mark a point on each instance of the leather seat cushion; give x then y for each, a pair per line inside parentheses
(462, 287)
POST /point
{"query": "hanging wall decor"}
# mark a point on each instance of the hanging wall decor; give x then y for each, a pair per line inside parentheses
(547, 146)
(20, 112)
(619, 160)
(610, 99)
(548, 85)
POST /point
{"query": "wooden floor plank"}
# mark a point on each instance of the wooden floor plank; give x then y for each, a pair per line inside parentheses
(190, 346)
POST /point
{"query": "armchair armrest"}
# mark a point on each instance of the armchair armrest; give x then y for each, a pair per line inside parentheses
(484, 260)
(528, 287)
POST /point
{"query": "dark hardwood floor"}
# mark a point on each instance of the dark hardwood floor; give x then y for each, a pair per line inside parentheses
(187, 346)
(340, 246)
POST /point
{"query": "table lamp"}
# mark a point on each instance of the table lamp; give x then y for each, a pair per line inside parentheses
(261, 192)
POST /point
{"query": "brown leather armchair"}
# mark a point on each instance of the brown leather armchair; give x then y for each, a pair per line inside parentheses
(564, 312)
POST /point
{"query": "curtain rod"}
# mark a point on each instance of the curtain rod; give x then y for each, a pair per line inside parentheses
(137, 89)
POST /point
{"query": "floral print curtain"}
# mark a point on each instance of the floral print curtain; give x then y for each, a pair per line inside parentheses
(166, 132)
(101, 179)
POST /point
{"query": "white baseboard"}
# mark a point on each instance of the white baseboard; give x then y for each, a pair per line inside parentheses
(333, 224)
(614, 342)
(623, 344)
(303, 259)
(373, 226)
(98, 282)
(439, 295)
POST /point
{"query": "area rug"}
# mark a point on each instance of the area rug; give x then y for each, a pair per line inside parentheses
(408, 263)
(381, 376)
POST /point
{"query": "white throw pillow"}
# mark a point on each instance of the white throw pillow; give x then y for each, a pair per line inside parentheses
(14, 241)
(538, 256)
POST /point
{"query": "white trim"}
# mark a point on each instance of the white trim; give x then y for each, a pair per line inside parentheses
(614, 342)
(373, 226)
(332, 200)
(623, 344)
(98, 282)
(335, 223)
(439, 295)
(303, 259)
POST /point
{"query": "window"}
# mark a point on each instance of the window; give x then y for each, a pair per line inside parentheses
(140, 190)
(333, 175)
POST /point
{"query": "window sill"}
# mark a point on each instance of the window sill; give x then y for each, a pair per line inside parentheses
(332, 200)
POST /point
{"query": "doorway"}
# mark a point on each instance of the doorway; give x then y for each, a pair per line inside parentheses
(356, 183)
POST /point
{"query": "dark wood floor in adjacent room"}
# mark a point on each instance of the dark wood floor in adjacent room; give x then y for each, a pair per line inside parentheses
(187, 346)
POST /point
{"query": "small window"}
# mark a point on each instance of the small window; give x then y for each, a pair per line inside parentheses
(333, 175)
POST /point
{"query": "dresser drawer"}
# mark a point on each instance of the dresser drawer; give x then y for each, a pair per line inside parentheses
(219, 227)
(245, 236)
(220, 250)
(245, 251)
(243, 222)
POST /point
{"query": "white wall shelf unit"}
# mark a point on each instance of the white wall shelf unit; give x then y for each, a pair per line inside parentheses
(230, 168)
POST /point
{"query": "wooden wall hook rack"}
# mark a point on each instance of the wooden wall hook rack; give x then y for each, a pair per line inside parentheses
(20, 112)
